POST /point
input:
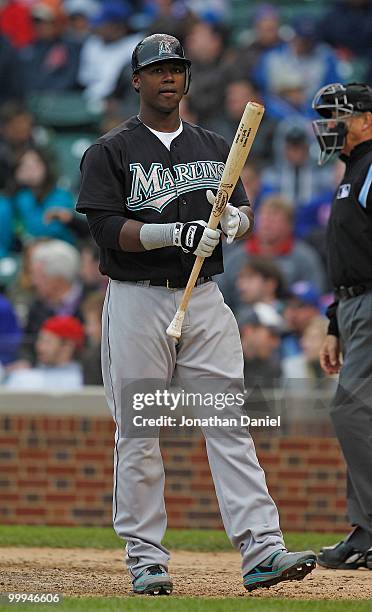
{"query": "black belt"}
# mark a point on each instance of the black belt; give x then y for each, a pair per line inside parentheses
(172, 284)
(344, 293)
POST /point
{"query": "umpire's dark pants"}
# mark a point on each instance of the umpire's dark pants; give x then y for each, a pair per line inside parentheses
(351, 409)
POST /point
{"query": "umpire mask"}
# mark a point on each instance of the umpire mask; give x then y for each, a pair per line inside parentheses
(336, 103)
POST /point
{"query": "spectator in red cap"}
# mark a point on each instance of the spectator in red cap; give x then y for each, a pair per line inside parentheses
(58, 344)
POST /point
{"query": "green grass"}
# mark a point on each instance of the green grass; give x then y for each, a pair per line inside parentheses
(186, 604)
(176, 539)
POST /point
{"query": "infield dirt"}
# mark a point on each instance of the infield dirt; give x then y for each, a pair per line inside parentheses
(91, 572)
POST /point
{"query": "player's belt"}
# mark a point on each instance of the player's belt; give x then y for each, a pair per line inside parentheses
(344, 293)
(172, 284)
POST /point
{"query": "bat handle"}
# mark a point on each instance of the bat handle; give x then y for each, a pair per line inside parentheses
(174, 329)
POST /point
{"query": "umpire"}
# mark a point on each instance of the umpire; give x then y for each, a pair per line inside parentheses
(346, 127)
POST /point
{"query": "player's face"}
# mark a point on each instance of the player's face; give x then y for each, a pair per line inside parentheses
(161, 85)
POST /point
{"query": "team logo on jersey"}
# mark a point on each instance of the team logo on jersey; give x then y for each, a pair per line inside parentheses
(165, 48)
(343, 191)
(159, 186)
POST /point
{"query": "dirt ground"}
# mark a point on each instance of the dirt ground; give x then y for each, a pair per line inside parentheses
(90, 572)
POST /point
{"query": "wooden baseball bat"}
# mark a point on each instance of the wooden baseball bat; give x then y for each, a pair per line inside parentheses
(243, 140)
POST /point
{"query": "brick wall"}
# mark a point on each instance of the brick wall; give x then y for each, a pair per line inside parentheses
(58, 471)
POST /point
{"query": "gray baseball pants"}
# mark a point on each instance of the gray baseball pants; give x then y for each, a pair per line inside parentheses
(135, 346)
(351, 409)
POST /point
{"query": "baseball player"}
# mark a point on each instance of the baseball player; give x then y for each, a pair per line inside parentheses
(346, 128)
(144, 187)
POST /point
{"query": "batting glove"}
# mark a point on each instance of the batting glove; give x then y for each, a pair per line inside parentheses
(232, 222)
(196, 238)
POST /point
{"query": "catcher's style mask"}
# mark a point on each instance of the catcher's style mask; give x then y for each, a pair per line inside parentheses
(160, 48)
(337, 102)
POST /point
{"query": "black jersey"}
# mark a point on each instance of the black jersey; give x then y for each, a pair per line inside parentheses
(350, 223)
(132, 175)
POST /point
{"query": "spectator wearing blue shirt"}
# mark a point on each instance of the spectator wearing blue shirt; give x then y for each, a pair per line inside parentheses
(6, 226)
(316, 61)
(34, 194)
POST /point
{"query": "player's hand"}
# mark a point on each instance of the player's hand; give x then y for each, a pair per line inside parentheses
(330, 355)
(196, 238)
(230, 220)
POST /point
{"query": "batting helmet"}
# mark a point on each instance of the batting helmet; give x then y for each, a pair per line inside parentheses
(337, 102)
(160, 48)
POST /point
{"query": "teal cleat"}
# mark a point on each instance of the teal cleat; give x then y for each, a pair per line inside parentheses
(154, 580)
(281, 565)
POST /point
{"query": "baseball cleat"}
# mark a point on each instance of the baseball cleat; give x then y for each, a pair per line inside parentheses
(368, 558)
(342, 556)
(281, 565)
(154, 580)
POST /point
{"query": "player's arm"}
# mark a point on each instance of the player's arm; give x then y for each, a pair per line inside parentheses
(112, 231)
(247, 210)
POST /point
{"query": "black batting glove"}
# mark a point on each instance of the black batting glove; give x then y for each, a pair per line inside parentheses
(196, 238)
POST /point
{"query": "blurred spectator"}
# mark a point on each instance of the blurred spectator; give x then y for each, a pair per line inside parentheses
(18, 133)
(205, 46)
(238, 92)
(260, 280)
(302, 306)
(172, 17)
(212, 11)
(264, 37)
(251, 179)
(34, 193)
(368, 78)
(16, 23)
(304, 55)
(260, 328)
(313, 214)
(273, 238)
(10, 332)
(294, 174)
(347, 25)
(55, 277)
(79, 16)
(90, 274)
(11, 86)
(287, 98)
(58, 344)
(6, 226)
(303, 370)
(74, 222)
(19, 288)
(51, 62)
(91, 310)
(187, 111)
(107, 51)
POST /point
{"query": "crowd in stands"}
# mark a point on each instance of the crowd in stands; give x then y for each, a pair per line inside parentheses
(65, 78)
